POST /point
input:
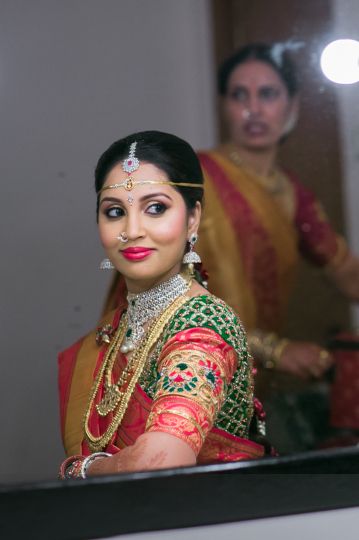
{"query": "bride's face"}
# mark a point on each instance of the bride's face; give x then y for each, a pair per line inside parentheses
(156, 222)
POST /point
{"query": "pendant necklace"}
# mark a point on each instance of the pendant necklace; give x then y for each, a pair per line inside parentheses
(143, 307)
(147, 305)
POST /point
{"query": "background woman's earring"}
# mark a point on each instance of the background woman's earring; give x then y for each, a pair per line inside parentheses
(191, 257)
(290, 124)
(106, 264)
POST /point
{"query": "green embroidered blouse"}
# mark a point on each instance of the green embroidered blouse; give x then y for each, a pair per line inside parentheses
(208, 311)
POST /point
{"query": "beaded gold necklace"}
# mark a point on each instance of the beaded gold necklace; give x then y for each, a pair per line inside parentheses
(118, 395)
(274, 182)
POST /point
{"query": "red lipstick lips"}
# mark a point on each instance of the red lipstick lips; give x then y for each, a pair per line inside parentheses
(136, 253)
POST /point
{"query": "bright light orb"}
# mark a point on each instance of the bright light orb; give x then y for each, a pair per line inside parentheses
(340, 61)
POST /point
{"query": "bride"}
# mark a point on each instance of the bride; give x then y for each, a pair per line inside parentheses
(166, 380)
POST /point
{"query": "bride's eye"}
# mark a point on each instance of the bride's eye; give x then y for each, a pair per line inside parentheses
(114, 212)
(156, 208)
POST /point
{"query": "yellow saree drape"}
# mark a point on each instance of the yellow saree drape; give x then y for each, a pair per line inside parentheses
(247, 244)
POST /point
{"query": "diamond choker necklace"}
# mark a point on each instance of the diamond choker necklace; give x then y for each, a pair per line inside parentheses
(147, 305)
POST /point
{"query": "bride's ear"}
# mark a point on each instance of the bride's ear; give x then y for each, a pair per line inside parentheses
(194, 218)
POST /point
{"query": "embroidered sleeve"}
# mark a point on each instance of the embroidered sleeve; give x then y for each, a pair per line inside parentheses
(318, 241)
(194, 370)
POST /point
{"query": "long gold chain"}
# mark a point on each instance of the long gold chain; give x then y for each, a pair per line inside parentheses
(274, 182)
(138, 360)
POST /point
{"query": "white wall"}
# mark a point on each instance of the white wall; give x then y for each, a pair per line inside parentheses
(74, 76)
(330, 525)
(346, 18)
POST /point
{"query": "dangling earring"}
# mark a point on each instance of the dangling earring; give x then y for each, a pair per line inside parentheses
(106, 264)
(191, 257)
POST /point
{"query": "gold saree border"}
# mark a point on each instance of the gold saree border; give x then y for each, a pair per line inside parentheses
(81, 383)
(280, 230)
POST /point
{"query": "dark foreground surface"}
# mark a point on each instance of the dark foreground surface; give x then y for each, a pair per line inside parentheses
(176, 498)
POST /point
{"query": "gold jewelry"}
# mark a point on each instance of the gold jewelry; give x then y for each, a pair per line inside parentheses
(278, 350)
(266, 347)
(71, 467)
(274, 182)
(119, 394)
(148, 305)
(191, 257)
(340, 255)
(323, 358)
(130, 183)
(122, 237)
(131, 164)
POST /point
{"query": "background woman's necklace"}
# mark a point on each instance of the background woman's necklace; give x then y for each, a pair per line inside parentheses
(147, 305)
(274, 182)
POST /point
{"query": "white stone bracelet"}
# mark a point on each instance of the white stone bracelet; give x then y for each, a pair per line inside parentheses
(90, 459)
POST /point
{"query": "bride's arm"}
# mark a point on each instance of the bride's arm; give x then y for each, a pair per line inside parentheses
(152, 450)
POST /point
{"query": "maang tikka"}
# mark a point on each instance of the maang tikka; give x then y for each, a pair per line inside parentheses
(191, 257)
(131, 164)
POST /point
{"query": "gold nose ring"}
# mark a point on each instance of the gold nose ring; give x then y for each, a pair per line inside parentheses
(122, 237)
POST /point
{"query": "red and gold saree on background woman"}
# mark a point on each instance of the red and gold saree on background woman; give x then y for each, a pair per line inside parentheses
(250, 240)
(196, 384)
(250, 245)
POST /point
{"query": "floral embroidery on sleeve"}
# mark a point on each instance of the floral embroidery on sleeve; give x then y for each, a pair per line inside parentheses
(191, 386)
(205, 320)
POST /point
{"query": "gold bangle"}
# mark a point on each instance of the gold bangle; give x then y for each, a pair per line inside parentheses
(262, 345)
(267, 348)
(340, 255)
(278, 350)
(323, 358)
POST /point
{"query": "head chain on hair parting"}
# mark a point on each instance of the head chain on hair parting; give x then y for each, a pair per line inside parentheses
(130, 165)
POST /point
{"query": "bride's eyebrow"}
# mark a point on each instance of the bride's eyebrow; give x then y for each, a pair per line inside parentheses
(111, 199)
(142, 199)
(154, 195)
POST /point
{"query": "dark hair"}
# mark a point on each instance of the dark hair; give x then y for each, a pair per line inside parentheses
(274, 55)
(172, 155)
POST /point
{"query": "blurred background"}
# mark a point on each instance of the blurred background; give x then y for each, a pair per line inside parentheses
(74, 76)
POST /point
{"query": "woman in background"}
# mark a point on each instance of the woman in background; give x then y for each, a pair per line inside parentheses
(259, 218)
(167, 380)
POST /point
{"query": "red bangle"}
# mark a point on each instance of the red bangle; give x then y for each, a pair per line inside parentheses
(71, 467)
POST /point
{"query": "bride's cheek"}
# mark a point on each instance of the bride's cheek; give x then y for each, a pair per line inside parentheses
(108, 235)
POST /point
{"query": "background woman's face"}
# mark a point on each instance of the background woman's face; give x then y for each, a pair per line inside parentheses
(257, 106)
(156, 222)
